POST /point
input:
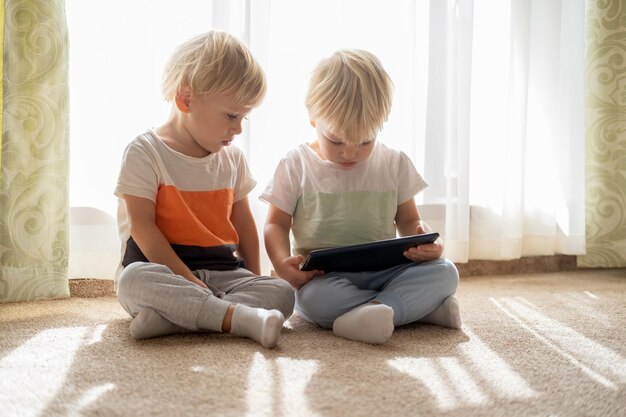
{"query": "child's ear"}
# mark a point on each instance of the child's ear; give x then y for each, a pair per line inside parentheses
(312, 122)
(183, 98)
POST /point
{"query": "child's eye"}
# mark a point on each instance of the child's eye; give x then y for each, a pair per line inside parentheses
(232, 116)
(334, 142)
(366, 143)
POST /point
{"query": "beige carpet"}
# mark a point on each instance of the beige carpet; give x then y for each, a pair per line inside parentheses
(531, 345)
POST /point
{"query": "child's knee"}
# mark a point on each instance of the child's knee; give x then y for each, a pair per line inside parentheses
(128, 286)
(131, 271)
(285, 297)
(134, 274)
(127, 276)
(307, 297)
(449, 276)
(317, 304)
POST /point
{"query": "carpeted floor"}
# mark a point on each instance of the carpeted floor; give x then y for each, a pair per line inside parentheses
(531, 345)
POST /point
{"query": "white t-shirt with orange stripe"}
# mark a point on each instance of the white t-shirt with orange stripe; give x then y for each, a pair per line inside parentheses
(193, 200)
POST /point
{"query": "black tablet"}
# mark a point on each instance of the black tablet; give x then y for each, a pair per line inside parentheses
(373, 256)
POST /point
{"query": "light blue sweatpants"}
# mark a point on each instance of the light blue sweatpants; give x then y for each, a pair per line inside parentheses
(411, 290)
(150, 285)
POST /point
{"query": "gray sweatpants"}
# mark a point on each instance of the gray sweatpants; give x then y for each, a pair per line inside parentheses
(150, 285)
(411, 290)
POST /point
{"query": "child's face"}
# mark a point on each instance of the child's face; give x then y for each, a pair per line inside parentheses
(214, 120)
(334, 149)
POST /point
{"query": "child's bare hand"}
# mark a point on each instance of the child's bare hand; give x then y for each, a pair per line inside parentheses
(427, 251)
(289, 270)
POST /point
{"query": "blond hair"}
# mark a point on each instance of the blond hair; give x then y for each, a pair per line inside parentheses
(352, 92)
(214, 62)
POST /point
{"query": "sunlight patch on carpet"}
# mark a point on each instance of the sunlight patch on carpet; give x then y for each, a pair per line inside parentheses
(472, 379)
(90, 397)
(277, 386)
(584, 306)
(468, 391)
(593, 359)
(33, 374)
(96, 335)
(199, 368)
(591, 295)
(295, 375)
(260, 389)
(494, 370)
(434, 374)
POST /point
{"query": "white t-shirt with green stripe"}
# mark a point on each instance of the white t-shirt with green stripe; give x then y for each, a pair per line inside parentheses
(332, 206)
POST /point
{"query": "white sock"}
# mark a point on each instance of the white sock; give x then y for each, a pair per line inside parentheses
(447, 314)
(148, 323)
(258, 324)
(370, 323)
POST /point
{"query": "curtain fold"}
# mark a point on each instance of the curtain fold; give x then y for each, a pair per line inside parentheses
(504, 142)
(35, 153)
(1, 80)
(446, 147)
(606, 135)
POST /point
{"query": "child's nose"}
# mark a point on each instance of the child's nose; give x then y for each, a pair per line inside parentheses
(349, 152)
(236, 128)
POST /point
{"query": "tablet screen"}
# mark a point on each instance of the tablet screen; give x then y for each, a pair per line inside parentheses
(373, 256)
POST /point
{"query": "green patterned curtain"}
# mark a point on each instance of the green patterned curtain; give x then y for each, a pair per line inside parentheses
(606, 135)
(35, 153)
(1, 72)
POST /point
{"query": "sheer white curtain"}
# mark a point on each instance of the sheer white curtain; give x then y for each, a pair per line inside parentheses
(505, 127)
(488, 103)
(526, 134)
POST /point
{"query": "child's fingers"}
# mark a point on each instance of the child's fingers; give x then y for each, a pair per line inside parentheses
(420, 230)
(302, 277)
(313, 274)
(426, 247)
(294, 260)
(423, 252)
